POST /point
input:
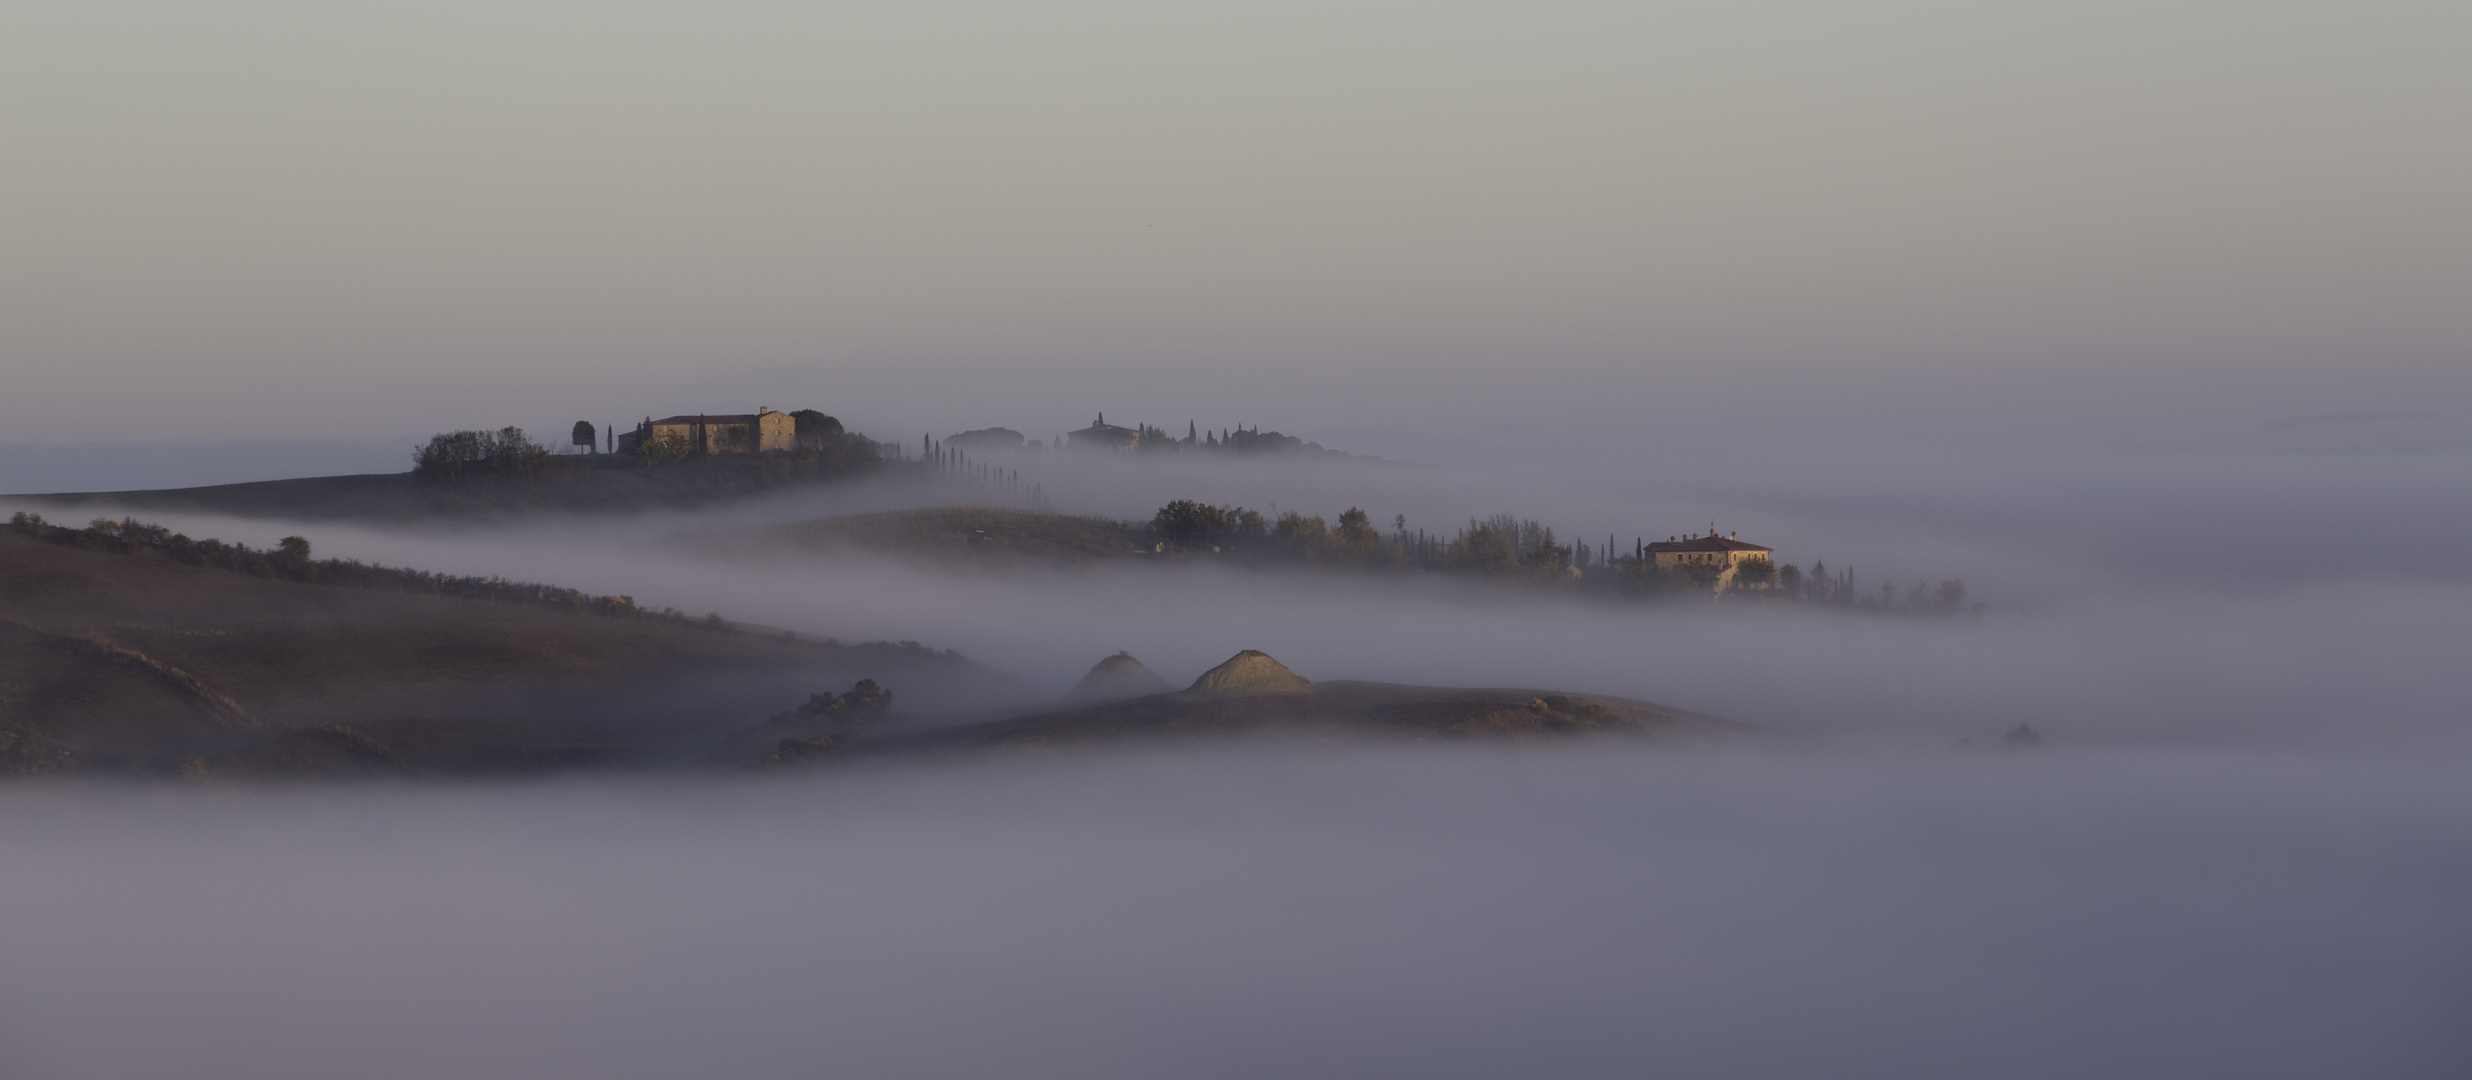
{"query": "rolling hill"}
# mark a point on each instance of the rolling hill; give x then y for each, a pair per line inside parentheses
(121, 662)
(602, 483)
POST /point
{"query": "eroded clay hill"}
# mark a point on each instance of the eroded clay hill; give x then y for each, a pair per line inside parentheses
(1116, 678)
(1253, 695)
(1250, 672)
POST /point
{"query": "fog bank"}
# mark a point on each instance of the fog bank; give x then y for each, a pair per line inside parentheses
(2145, 598)
(1564, 913)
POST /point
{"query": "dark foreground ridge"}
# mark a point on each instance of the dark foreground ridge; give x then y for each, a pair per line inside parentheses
(118, 657)
(129, 650)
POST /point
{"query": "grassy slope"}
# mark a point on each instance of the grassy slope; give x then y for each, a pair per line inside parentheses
(579, 483)
(120, 660)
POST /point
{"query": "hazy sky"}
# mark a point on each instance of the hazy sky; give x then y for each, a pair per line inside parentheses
(2164, 223)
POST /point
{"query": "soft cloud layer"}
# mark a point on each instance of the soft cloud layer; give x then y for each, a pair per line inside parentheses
(1431, 914)
(2149, 598)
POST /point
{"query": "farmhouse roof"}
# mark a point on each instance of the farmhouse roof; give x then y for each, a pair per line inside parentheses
(711, 418)
(1707, 543)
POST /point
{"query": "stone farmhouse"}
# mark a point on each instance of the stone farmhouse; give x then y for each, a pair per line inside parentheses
(718, 433)
(1726, 552)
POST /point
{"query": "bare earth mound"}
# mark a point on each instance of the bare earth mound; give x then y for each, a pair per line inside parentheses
(1346, 711)
(1116, 678)
(1250, 672)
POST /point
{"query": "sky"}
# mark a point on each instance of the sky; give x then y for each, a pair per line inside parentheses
(1438, 231)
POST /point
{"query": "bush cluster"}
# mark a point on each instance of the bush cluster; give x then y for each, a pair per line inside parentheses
(840, 715)
(459, 455)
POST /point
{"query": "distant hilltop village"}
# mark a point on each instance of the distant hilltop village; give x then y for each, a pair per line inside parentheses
(766, 431)
(1103, 437)
(765, 439)
(1142, 438)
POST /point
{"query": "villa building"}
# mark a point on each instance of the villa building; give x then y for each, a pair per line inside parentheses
(1727, 553)
(718, 433)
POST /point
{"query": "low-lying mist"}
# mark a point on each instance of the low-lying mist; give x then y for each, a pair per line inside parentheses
(2237, 850)
(1563, 912)
(2173, 609)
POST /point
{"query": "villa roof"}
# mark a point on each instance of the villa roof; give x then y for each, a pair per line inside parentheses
(1706, 543)
(711, 418)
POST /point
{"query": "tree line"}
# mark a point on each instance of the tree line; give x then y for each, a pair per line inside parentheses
(457, 455)
(1508, 547)
(507, 463)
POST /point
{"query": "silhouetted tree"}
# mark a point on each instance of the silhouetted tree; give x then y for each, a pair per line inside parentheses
(292, 554)
(1950, 596)
(1186, 525)
(667, 447)
(814, 429)
(465, 454)
(1485, 547)
(1355, 535)
(1298, 536)
(1695, 578)
(585, 436)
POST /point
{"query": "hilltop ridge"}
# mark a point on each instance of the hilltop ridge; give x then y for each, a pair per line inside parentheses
(570, 483)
